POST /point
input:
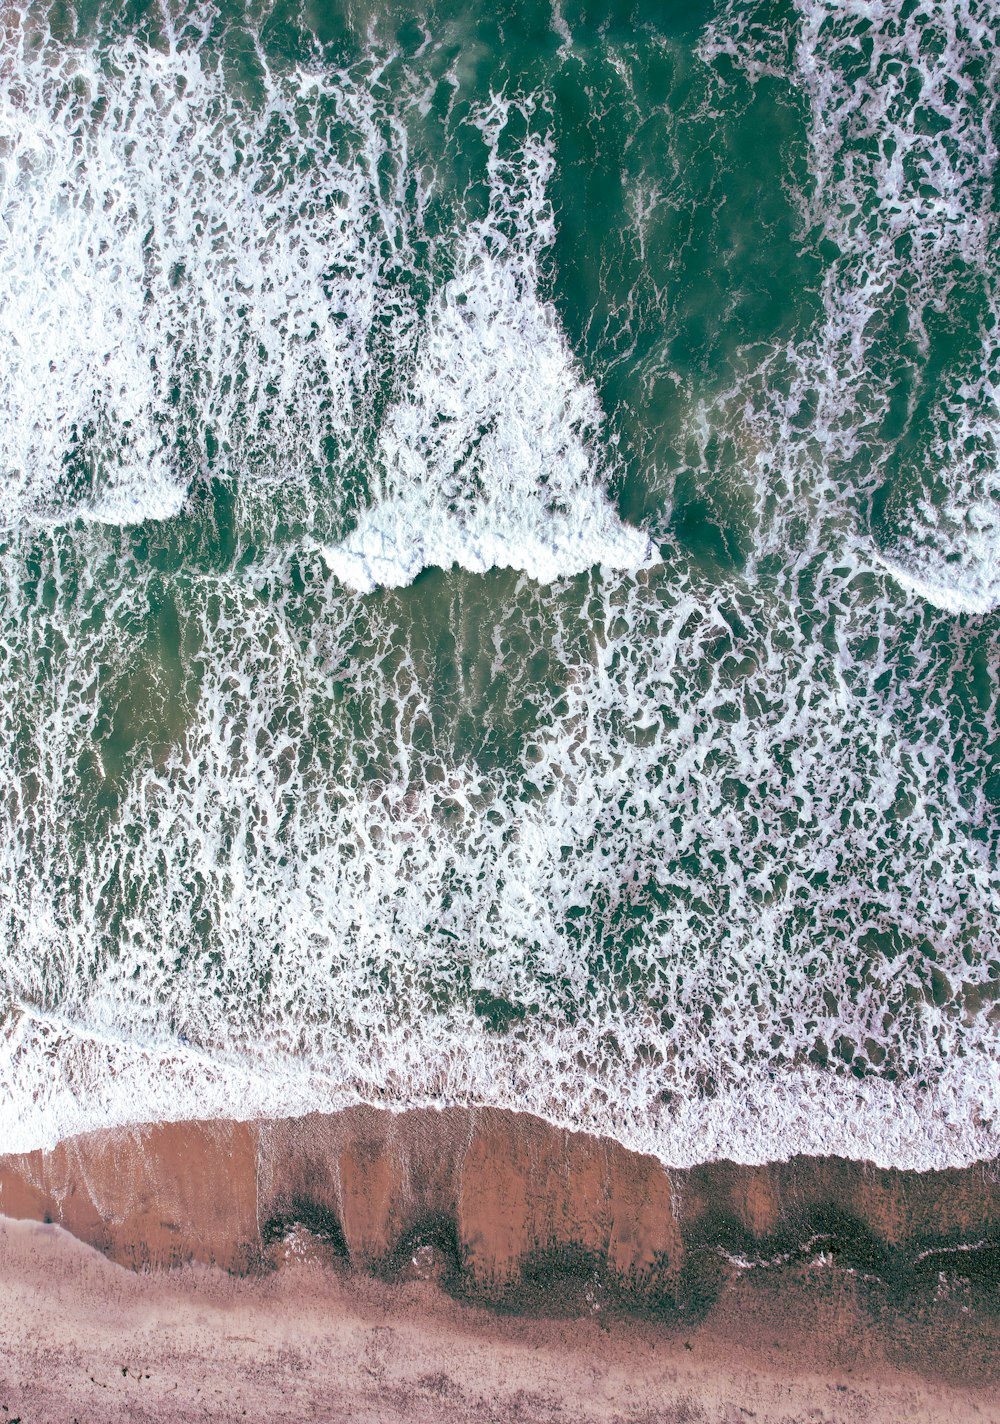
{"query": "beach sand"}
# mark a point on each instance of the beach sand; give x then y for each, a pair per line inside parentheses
(472, 1264)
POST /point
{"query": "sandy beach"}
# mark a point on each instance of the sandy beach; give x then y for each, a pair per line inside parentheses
(476, 1264)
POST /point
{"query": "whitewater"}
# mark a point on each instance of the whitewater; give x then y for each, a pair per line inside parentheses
(498, 584)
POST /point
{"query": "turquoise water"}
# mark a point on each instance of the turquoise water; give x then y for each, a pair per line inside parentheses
(498, 568)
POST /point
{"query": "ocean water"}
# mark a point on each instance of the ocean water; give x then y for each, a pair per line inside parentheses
(500, 567)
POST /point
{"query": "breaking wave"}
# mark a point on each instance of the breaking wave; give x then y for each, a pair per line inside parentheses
(222, 283)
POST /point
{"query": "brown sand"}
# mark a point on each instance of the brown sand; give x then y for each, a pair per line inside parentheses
(366, 1248)
(82, 1339)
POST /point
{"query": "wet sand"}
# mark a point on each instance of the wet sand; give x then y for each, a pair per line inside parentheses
(482, 1265)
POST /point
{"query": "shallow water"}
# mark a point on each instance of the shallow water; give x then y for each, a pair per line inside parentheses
(499, 568)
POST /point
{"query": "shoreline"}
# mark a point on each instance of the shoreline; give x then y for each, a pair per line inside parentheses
(458, 1263)
(518, 1226)
(60, 1080)
(497, 1186)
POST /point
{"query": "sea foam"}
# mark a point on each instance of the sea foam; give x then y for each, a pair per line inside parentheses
(491, 457)
(901, 157)
(682, 901)
(205, 278)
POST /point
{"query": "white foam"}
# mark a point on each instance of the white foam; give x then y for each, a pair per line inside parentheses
(492, 456)
(168, 279)
(968, 582)
(164, 282)
(99, 1083)
(350, 920)
(934, 192)
(902, 157)
(394, 543)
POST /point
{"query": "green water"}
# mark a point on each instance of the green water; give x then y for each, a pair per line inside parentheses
(499, 567)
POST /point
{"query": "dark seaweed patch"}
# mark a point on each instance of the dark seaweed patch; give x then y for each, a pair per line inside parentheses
(438, 1231)
(313, 1216)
